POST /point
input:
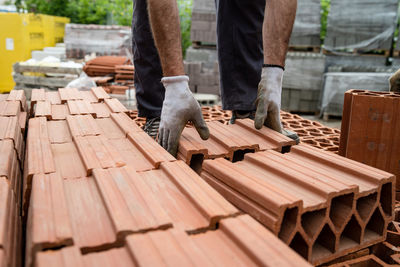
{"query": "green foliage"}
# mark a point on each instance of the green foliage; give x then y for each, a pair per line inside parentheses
(122, 12)
(88, 11)
(325, 6)
(185, 14)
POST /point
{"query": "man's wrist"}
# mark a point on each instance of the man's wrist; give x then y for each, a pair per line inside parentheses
(273, 66)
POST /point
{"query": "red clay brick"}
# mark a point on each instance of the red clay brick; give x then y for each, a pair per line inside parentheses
(129, 201)
(43, 109)
(97, 152)
(59, 112)
(370, 130)
(100, 94)
(101, 110)
(49, 223)
(19, 96)
(9, 108)
(80, 107)
(83, 125)
(59, 132)
(149, 148)
(115, 106)
(309, 198)
(191, 203)
(229, 141)
(67, 94)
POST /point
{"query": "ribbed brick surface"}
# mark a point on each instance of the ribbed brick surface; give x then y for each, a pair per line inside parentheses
(371, 129)
(322, 205)
(13, 115)
(240, 242)
(229, 141)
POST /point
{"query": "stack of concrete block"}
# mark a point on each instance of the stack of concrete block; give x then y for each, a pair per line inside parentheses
(302, 81)
(81, 40)
(361, 24)
(203, 80)
(204, 28)
(337, 83)
(307, 26)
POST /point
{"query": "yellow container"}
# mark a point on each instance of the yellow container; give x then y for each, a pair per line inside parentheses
(22, 34)
(59, 28)
(54, 29)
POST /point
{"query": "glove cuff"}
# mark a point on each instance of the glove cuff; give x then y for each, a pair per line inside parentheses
(175, 79)
(273, 66)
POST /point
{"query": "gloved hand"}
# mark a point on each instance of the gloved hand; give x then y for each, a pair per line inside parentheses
(269, 99)
(179, 107)
(395, 82)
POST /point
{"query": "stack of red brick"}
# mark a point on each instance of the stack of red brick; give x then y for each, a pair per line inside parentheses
(105, 65)
(311, 132)
(100, 191)
(371, 129)
(322, 205)
(13, 117)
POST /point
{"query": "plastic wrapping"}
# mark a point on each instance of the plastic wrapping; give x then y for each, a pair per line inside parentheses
(361, 24)
(307, 26)
(304, 71)
(83, 83)
(81, 40)
(337, 83)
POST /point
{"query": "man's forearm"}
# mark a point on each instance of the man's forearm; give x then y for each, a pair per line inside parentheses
(164, 19)
(278, 24)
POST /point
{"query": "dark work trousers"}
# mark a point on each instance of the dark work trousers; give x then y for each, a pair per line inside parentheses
(240, 54)
(148, 72)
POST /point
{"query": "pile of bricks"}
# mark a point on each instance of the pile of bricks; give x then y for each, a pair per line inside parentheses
(13, 116)
(312, 132)
(100, 191)
(371, 129)
(82, 39)
(203, 80)
(124, 74)
(105, 65)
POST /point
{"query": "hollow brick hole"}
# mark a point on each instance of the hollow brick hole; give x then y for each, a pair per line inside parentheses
(196, 162)
(375, 226)
(366, 205)
(299, 245)
(386, 198)
(325, 244)
(238, 155)
(312, 221)
(288, 225)
(341, 208)
(351, 235)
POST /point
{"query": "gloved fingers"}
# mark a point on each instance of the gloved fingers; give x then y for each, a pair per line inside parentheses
(261, 114)
(274, 121)
(160, 136)
(173, 141)
(201, 125)
(165, 139)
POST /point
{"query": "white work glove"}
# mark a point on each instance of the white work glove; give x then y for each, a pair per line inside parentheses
(269, 99)
(179, 107)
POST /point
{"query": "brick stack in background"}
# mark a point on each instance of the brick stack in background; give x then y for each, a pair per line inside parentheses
(107, 191)
(204, 26)
(303, 82)
(13, 116)
(361, 24)
(307, 26)
(371, 129)
(81, 40)
(203, 79)
(114, 73)
(103, 66)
